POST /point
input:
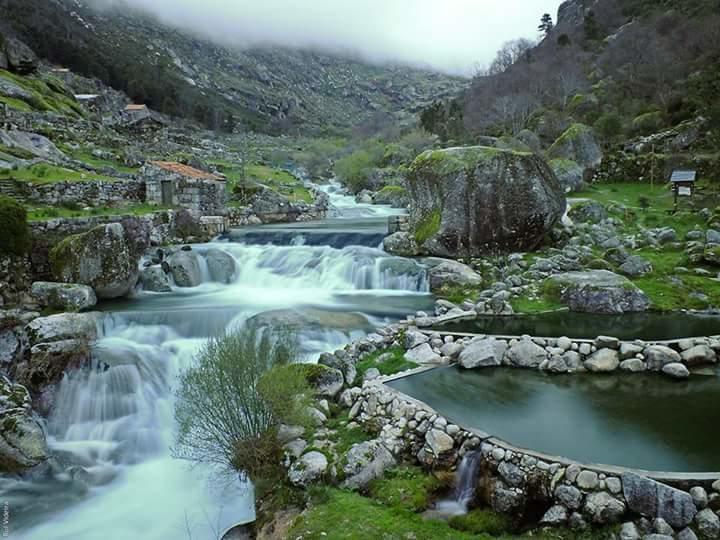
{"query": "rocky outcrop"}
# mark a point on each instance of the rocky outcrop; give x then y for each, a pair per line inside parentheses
(470, 201)
(569, 173)
(365, 462)
(22, 440)
(19, 57)
(578, 144)
(102, 258)
(402, 244)
(598, 291)
(63, 296)
(308, 469)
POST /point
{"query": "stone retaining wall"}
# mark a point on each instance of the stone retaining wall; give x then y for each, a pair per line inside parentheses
(291, 213)
(91, 193)
(535, 487)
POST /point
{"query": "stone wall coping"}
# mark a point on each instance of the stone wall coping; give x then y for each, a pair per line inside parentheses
(667, 477)
(577, 340)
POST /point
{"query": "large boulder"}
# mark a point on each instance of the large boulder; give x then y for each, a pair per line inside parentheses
(32, 143)
(185, 269)
(402, 244)
(101, 258)
(62, 326)
(598, 291)
(569, 173)
(525, 354)
(474, 200)
(482, 352)
(308, 469)
(64, 296)
(655, 500)
(602, 508)
(22, 440)
(579, 144)
(447, 272)
(365, 462)
(221, 265)
(20, 57)
(154, 279)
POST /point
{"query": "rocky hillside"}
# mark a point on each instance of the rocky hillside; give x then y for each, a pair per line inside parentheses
(629, 68)
(272, 90)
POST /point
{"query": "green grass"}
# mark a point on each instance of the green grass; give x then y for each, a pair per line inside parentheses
(540, 304)
(44, 173)
(278, 180)
(87, 157)
(336, 514)
(457, 294)
(428, 226)
(342, 515)
(15, 104)
(45, 213)
(395, 364)
(405, 487)
(482, 521)
(46, 93)
(659, 199)
(669, 295)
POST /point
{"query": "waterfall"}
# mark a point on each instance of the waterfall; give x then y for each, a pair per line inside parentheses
(112, 426)
(465, 483)
(466, 479)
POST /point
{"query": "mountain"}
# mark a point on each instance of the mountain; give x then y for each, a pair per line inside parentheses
(629, 68)
(272, 90)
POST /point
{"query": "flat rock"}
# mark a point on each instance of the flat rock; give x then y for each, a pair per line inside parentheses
(482, 352)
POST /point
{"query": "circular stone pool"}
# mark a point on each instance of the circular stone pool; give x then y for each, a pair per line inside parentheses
(643, 421)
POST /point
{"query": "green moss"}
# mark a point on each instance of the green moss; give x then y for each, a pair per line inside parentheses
(16, 104)
(562, 165)
(15, 236)
(62, 255)
(395, 364)
(405, 487)
(428, 227)
(392, 190)
(457, 294)
(482, 522)
(443, 162)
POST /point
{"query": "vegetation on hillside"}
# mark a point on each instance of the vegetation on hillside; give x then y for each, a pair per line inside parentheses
(15, 237)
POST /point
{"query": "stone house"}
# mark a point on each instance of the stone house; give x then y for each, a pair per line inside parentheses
(174, 184)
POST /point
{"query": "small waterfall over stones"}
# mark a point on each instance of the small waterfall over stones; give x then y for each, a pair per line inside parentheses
(465, 484)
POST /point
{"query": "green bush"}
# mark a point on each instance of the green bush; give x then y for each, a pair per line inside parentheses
(355, 170)
(232, 400)
(15, 236)
(609, 126)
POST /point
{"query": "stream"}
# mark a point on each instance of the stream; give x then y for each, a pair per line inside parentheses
(112, 426)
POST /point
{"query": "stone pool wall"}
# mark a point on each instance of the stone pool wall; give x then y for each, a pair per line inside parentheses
(530, 485)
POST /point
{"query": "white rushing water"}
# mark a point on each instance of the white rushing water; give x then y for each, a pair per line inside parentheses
(112, 426)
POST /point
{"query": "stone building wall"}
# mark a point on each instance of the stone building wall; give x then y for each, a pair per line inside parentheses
(205, 194)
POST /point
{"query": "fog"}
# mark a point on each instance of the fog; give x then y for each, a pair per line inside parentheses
(453, 36)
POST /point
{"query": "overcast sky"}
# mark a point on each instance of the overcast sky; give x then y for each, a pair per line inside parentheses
(449, 35)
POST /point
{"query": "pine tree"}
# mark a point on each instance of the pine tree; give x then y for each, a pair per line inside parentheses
(546, 24)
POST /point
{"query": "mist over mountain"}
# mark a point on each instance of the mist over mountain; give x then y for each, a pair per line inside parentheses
(452, 36)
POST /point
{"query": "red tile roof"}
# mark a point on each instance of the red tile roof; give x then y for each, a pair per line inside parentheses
(134, 107)
(186, 170)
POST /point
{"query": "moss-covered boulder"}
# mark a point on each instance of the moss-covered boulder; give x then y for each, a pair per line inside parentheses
(579, 144)
(101, 258)
(22, 440)
(474, 200)
(569, 173)
(596, 291)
